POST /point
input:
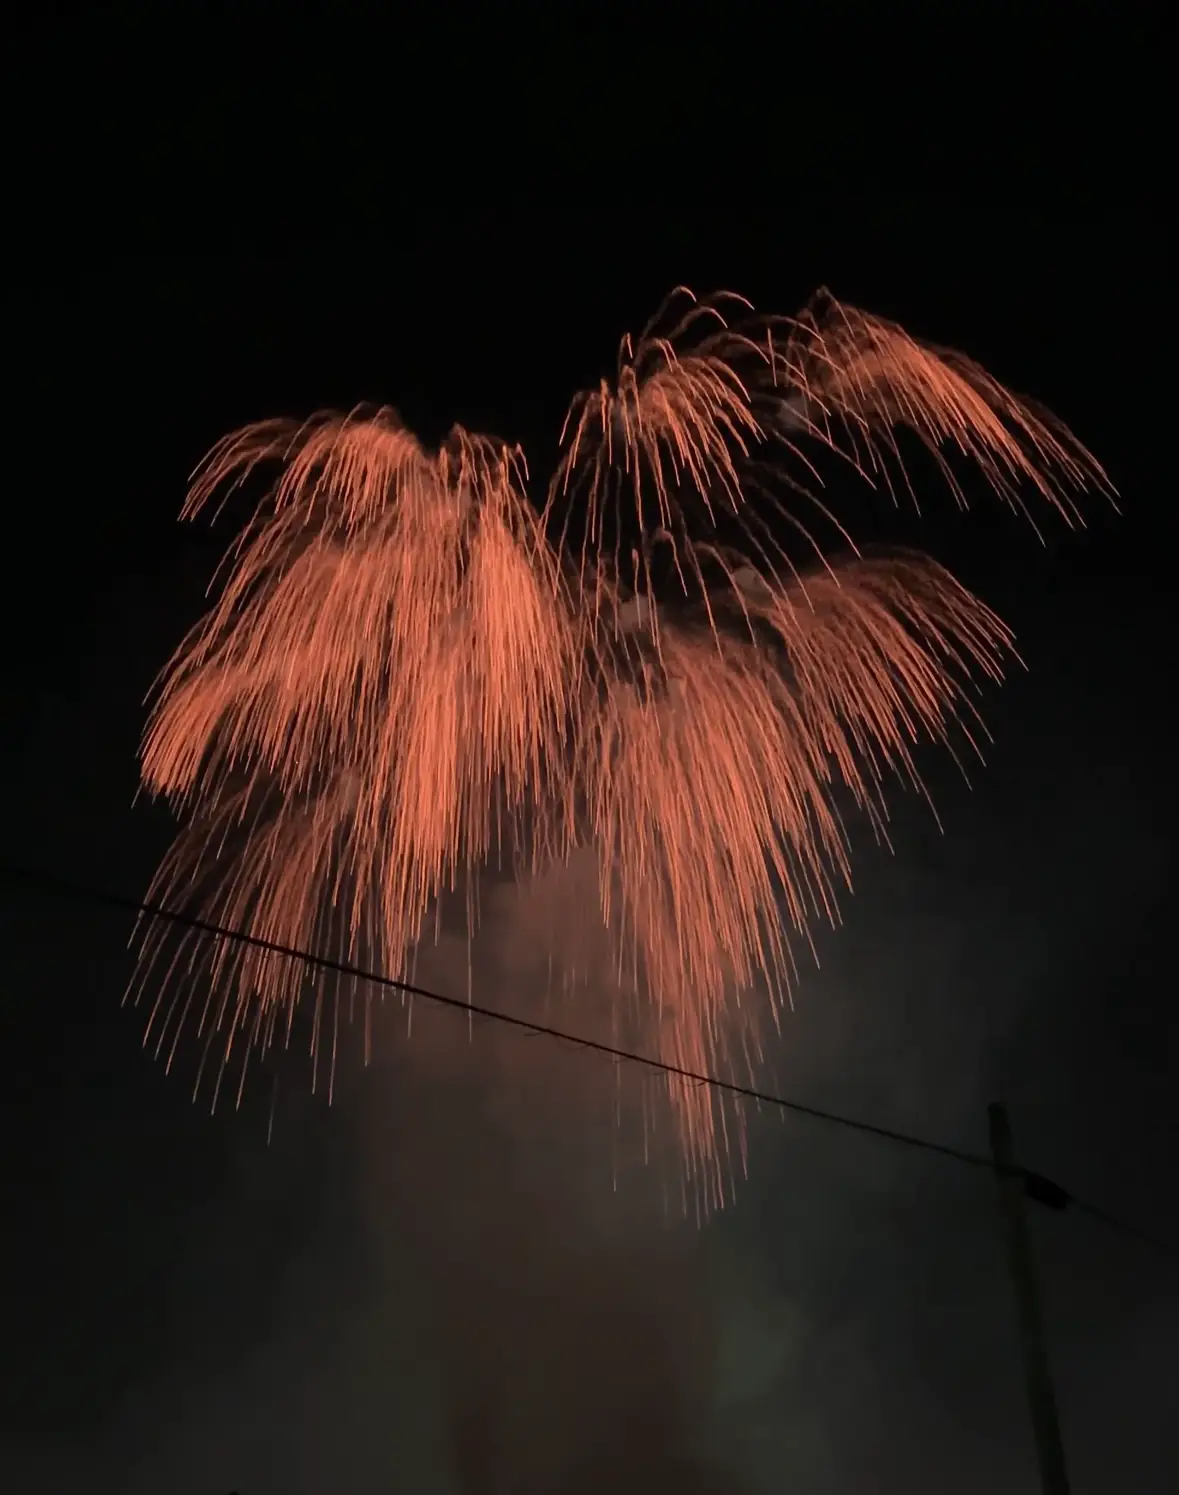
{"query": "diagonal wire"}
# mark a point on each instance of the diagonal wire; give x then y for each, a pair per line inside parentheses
(66, 887)
(1042, 1190)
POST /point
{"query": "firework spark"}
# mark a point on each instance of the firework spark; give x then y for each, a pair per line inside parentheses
(855, 380)
(402, 672)
(717, 744)
(712, 782)
(379, 688)
(670, 433)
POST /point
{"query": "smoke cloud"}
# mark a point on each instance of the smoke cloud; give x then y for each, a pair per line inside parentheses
(465, 1276)
(576, 1338)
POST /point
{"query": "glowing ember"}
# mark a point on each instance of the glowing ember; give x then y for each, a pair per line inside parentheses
(403, 676)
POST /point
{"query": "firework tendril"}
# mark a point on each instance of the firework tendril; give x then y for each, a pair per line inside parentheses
(410, 672)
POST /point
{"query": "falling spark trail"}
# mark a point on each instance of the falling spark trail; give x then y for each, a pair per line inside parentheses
(380, 686)
(403, 678)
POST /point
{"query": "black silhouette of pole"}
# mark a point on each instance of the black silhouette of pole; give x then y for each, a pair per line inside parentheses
(1012, 1182)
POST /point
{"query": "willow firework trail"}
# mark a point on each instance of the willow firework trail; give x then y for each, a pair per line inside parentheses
(731, 711)
(855, 380)
(380, 687)
(667, 438)
(402, 674)
(711, 782)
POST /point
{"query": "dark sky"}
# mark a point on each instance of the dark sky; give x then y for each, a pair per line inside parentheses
(440, 1257)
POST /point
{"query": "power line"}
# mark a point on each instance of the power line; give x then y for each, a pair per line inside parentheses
(1038, 1188)
(1114, 1223)
(66, 887)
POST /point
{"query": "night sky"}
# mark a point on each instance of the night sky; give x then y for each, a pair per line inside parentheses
(439, 1261)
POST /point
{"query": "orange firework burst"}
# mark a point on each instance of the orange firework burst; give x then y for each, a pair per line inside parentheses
(712, 752)
(381, 685)
(672, 431)
(711, 771)
(706, 423)
(855, 380)
(401, 672)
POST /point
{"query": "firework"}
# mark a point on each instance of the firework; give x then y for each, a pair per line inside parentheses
(378, 690)
(710, 424)
(712, 779)
(403, 673)
(663, 446)
(727, 725)
(854, 381)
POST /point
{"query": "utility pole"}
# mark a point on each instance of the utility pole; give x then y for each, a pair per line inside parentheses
(1012, 1181)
